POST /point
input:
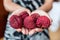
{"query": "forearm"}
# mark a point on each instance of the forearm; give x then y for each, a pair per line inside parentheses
(10, 6)
(47, 5)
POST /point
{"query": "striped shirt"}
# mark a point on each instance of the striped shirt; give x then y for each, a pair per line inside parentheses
(30, 4)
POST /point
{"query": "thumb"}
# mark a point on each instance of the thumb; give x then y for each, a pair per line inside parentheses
(23, 31)
(18, 30)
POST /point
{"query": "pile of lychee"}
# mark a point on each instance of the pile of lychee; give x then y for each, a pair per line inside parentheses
(29, 21)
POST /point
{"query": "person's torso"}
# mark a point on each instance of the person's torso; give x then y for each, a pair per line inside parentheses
(30, 4)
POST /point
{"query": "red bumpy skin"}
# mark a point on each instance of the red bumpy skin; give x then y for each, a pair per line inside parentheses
(29, 22)
(15, 22)
(35, 16)
(43, 22)
(23, 15)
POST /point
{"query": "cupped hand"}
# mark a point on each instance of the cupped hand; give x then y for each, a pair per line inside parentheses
(17, 12)
(41, 13)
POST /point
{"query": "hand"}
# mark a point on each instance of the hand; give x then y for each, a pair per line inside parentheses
(23, 30)
(17, 12)
(42, 13)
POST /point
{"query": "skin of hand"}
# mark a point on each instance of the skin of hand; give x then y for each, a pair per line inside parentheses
(41, 13)
(25, 31)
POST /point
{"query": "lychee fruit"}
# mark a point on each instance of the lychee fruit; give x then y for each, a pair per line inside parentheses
(43, 22)
(35, 16)
(29, 22)
(15, 21)
(23, 15)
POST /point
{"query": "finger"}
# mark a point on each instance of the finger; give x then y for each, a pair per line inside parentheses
(26, 31)
(28, 11)
(18, 30)
(38, 29)
(23, 31)
(31, 32)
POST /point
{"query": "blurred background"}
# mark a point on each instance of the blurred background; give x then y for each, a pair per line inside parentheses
(3, 16)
